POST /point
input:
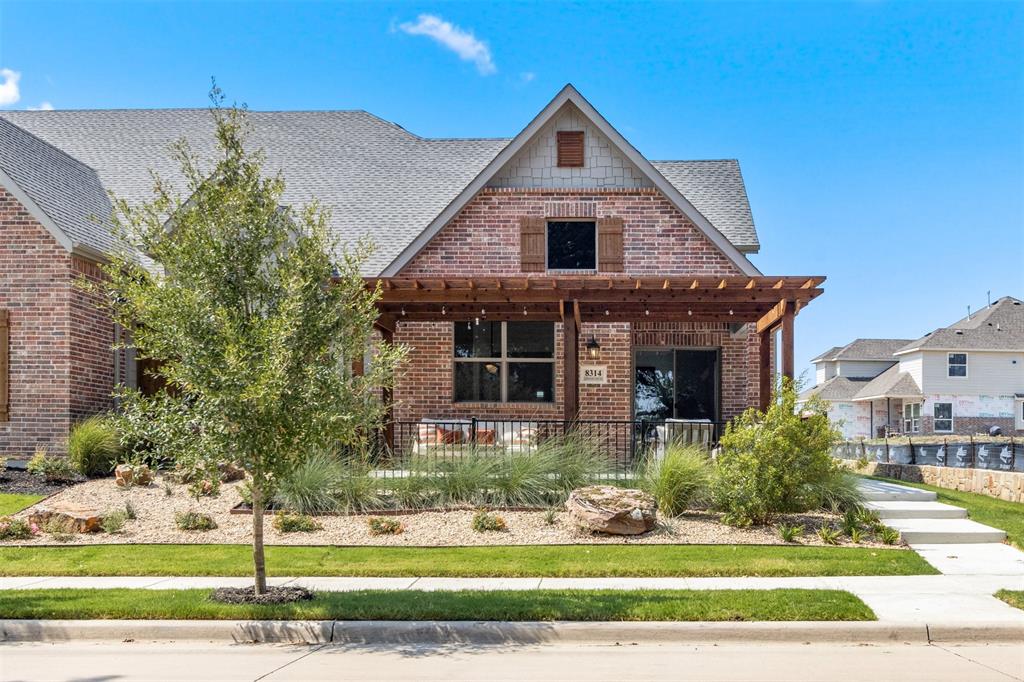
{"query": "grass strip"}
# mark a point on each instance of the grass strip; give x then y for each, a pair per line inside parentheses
(1014, 598)
(12, 503)
(1008, 516)
(505, 605)
(491, 561)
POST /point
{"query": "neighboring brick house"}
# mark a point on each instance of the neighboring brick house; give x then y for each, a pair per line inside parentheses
(503, 261)
(963, 379)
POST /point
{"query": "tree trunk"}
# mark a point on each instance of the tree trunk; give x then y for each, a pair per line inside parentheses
(258, 560)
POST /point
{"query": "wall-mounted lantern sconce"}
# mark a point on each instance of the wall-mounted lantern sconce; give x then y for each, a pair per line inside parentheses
(593, 348)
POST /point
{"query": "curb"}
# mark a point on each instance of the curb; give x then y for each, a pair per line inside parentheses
(488, 633)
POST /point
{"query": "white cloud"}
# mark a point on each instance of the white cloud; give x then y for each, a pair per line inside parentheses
(527, 76)
(462, 43)
(43, 106)
(9, 92)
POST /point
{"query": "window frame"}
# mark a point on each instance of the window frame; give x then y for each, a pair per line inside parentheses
(547, 251)
(936, 419)
(950, 365)
(503, 362)
(912, 422)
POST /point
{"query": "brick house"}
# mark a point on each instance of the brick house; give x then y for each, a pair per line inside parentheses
(961, 379)
(558, 275)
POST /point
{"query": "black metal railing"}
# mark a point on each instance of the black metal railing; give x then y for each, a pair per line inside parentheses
(964, 452)
(622, 443)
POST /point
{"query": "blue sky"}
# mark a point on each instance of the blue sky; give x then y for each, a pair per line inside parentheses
(882, 143)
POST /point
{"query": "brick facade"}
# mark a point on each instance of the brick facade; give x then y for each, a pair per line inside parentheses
(483, 240)
(61, 365)
(970, 425)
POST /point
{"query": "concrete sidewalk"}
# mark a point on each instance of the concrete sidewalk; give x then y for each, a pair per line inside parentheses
(897, 599)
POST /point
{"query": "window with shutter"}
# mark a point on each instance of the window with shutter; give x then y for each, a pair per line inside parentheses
(4, 367)
(609, 245)
(531, 244)
(570, 148)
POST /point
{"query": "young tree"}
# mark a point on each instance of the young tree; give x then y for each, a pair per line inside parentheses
(254, 314)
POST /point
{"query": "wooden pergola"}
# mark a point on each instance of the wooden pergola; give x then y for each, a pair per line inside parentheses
(770, 302)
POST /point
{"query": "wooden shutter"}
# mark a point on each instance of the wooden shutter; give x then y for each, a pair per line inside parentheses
(570, 148)
(4, 367)
(532, 244)
(609, 245)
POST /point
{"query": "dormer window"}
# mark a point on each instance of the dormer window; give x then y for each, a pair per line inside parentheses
(572, 245)
(570, 148)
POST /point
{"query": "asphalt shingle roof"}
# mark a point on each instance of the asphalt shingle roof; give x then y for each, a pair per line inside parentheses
(999, 326)
(375, 178)
(892, 383)
(837, 388)
(864, 349)
(66, 190)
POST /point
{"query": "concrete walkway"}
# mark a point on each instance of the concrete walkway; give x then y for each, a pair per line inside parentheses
(920, 519)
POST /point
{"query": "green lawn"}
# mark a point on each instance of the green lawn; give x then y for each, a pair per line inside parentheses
(578, 605)
(1012, 597)
(12, 503)
(1008, 516)
(499, 561)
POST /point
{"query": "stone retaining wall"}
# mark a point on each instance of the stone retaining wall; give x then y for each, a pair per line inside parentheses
(1005, 485)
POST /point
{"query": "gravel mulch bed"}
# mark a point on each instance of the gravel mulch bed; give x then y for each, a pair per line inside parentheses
(273, 595)
(156, 509)
(23, 483)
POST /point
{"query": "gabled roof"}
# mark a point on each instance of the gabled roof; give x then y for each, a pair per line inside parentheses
(570, 96)
(999, 326)
(375, 178)
(837, 388)
(863, 349)
(892, 383)
(60, 192)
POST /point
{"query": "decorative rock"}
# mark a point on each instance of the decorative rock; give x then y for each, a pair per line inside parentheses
(229, 471)
(127, 475)
(74, 518)
(616, 511)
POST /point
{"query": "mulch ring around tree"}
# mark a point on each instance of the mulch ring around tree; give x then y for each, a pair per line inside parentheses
(21, 482)
(273, 595)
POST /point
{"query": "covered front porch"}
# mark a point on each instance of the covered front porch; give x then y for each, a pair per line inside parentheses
(631, 361)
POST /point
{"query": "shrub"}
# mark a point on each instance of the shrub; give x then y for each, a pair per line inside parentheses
(194, 521)
(577, 460)
(888, 536)
(775, 462)
(357, 490)
(850, 522)
(838, 491)
(50, 469)
(464, 480)
(413, 491)
(114, 521)
(295, 523)
(15, 529)
(549, 516)
(677, 480)
(129, 510)
(484, 521)
(525, 479)
(93, 446)
(790, 533)
(856, 536)
(384, 525)
(829, 535)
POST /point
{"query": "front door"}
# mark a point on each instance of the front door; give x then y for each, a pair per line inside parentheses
(680, 383)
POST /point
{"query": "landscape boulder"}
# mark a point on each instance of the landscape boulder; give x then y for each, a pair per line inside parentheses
(229, 471)
(616, 511)
(70, 517)
(127, 475)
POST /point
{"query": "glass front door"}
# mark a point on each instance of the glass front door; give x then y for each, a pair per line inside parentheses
(676, 383)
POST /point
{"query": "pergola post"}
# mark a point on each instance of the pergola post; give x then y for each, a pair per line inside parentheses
(570, 360)
(764, 369)
(788, 366)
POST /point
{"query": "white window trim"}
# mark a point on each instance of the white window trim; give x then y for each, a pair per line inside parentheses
(503, 363)
(965, 365)
(915, 422)
(597, 242)
(952, 426)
